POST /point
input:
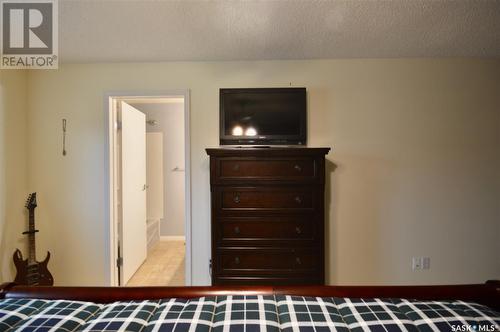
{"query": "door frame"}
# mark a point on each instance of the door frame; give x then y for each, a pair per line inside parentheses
(110, 246)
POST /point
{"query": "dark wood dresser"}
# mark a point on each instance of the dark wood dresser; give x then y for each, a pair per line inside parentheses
(267, 215)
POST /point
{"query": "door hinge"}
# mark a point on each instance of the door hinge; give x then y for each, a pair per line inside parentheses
(210, 267)
(119, 262)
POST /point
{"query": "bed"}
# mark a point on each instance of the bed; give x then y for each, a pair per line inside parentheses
(246, 309)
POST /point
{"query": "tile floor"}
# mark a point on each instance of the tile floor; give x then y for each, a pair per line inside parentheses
(164, 266)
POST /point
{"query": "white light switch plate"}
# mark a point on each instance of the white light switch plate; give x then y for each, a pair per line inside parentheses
(426, 263)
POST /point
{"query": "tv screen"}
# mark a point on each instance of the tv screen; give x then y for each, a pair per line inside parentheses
(274, 116)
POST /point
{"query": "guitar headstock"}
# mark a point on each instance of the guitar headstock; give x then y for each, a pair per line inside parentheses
(31, 201)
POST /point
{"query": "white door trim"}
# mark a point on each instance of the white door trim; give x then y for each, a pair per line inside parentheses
(109, 159)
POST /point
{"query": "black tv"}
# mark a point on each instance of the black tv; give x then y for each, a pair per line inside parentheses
(263, 116)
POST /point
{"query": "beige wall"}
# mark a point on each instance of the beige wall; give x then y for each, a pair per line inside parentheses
(13, 172)
(416, 149)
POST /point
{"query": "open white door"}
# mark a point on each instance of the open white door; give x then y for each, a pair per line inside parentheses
(133, 241)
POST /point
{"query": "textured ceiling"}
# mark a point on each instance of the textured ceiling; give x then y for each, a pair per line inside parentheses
(121, 30)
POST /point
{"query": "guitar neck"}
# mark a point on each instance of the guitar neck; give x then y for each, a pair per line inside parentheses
(31, 237)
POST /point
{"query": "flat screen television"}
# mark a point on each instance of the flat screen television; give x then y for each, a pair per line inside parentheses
(263, 116)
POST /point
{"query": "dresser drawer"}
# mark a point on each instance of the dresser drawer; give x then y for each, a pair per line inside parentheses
(267, 261)
(281, 199)
(266, 230)
(275, 280)
(266, 169)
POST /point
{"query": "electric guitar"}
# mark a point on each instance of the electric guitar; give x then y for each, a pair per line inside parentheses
(29, 271)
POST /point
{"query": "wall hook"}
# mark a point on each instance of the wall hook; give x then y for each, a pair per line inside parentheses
(64, 136)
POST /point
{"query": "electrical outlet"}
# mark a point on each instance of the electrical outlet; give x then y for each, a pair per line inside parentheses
(420, 263)
(416, 263)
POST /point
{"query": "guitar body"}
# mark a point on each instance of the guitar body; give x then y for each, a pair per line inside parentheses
(36, 274)
(29, 271)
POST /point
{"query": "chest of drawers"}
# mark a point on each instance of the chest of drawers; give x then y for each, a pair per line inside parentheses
(267, 224)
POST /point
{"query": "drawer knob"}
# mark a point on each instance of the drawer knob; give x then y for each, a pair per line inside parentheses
(298, 261)
(236, 199)
(298, 230)
(236, 230)
(298, 200)
(236, 260)
(236, 167)
(297, 168)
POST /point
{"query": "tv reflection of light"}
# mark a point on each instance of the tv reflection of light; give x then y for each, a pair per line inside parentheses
(250, 131)
(237, 131)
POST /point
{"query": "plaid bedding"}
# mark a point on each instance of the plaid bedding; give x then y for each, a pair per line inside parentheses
(14, 311)
(183, 315)
(249, 314)
(58, 315)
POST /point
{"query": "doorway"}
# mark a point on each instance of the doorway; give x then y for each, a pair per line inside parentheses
(149, 189)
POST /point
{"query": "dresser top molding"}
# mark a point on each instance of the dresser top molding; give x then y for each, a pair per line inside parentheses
(266, 151)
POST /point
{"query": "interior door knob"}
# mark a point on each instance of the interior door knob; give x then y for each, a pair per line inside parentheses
(297, 168)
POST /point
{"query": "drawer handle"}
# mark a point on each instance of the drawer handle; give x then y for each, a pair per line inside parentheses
(298, 200)
(236, 199)
(236, 260)
(236, 230)
(297, 168)
(298, 230)
(236, 167)
(298, 261)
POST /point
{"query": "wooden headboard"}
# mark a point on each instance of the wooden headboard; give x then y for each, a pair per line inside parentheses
(487, 293)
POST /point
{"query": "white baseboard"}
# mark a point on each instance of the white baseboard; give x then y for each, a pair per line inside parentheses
(173, 238)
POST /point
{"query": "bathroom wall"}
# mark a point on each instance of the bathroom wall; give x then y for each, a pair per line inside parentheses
(169, 119)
